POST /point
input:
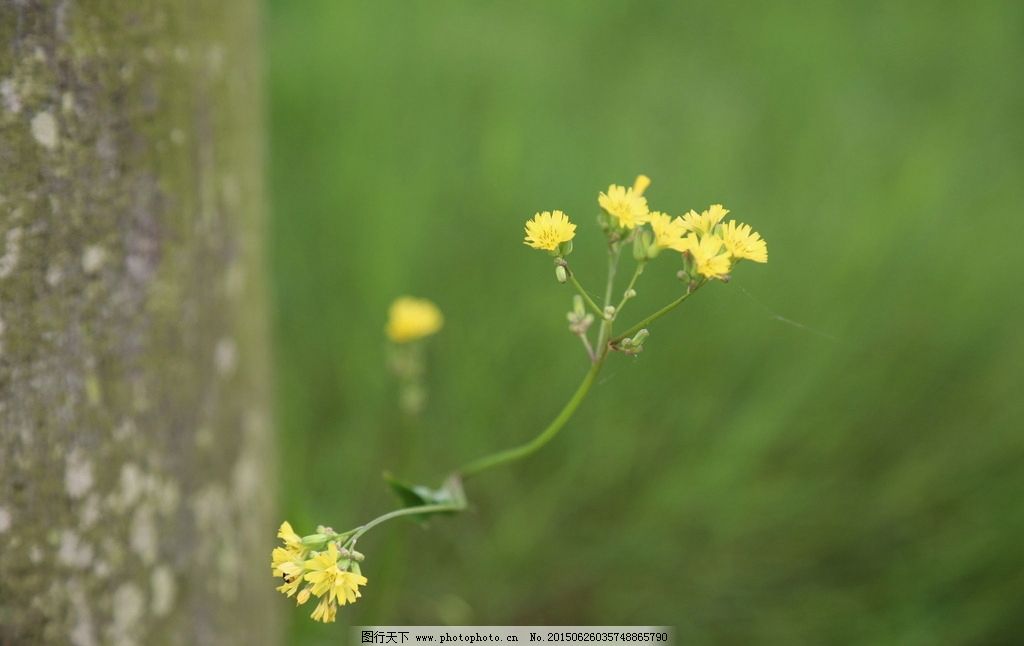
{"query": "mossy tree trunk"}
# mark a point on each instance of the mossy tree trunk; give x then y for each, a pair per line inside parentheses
(134, 489)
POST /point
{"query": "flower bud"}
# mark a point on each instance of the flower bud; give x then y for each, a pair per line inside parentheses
(609, 312)
(639, 247)
(630, 293)
(639, 338)
(561, 275)
(577, 305)
(314, 540)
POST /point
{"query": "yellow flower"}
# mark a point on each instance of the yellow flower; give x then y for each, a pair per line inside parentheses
(548, 230)
(287, 562)
(704, 223)
(668, 232)
(288, 535)
(325, 611)
(742, 242)
(627, 205)
(413, 318)
(708, 256)
(333, 585)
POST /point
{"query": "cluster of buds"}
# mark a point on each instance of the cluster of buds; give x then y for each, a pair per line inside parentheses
(324, 565)
(632, 345)
(579, 318)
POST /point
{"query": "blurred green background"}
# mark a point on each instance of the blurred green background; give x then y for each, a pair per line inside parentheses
(827, 450)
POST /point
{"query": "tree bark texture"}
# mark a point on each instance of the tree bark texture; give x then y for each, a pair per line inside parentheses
(135, 497)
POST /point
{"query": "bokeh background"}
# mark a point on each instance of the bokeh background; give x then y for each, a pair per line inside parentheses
(827, 450)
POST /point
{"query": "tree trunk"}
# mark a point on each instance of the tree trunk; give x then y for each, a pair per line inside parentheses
(135, 498)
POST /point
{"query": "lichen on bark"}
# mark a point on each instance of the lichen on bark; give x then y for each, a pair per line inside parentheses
(134, 434)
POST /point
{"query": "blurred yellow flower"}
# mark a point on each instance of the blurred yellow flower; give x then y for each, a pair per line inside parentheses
(710, 260)
(548, 230)
(704, 222)
(626, 205)
(742, 242)
(668, 232)
(640, 184)
(412, 318)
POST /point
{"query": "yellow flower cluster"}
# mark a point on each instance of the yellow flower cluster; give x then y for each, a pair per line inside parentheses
(714, 247)
(330, 574)
(411, 318)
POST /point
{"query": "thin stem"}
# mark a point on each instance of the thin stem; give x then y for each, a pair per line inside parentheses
(613, 262)
(523, 450)
(586, 297)
(632, 281)
(586, 344)
(407, 511)
(662, 312)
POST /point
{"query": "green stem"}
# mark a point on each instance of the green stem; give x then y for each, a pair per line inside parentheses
(586, 297)
(407, 511)
(523, 450)
(632, 281)
(662, 312)
(606, 324)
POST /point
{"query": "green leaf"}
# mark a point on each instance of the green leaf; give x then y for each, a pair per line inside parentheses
(410, 495)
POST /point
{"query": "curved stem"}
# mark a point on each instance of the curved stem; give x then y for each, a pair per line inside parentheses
(523, 450)
(586, 297)
(662, 312)
(407, 511)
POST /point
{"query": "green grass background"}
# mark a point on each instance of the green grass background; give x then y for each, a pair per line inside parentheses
(827, 450)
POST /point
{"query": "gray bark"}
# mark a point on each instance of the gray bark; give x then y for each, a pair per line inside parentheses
(135, 498)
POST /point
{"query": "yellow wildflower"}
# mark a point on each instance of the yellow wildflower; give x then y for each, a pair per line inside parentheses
(627, 205)
(548, 230)
(411, 318)
(708, 256)
(705, 222)
(325, 611)
(668, 232)
(287, 562)
(333, 585)
(742, 242)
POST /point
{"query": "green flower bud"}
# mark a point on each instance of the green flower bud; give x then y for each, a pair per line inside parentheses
(639, 338)
(577, 306)
(561, 275)
(315, 540)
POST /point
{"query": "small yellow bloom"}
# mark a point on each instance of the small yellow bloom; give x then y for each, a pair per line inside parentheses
(548, 230)
(742, 242)
(708, 256)
(705, 222)
(325, 611)
(626, 205)
(413, 318)
(668, 232)
(333, 585)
